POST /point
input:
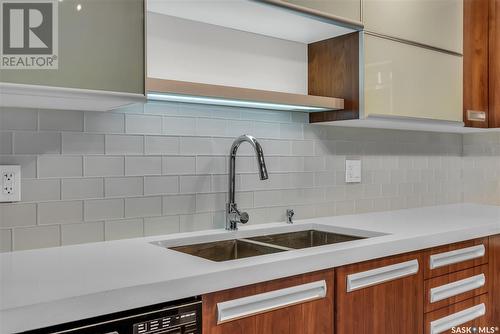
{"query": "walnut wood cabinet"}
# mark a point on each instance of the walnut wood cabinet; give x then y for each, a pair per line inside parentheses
(380, 296)
(481, 63)
(294, 305)
(446, 289)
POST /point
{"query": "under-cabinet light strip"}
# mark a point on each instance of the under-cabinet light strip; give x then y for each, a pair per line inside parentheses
(230, 102)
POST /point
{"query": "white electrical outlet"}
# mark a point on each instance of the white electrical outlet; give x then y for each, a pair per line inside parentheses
(353, 171)
(10, 182)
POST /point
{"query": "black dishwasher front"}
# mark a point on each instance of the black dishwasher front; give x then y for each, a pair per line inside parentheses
(181, 317)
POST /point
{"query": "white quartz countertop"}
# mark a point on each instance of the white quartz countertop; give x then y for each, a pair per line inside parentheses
(44, 287)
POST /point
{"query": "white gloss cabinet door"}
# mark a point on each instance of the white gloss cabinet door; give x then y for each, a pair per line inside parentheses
(437, 23)
(403, 80)
(101, 47)
(349, 9)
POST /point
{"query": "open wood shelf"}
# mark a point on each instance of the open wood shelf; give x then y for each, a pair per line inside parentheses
(287, 101)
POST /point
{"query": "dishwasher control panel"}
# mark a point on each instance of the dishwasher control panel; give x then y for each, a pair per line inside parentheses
(181, 323)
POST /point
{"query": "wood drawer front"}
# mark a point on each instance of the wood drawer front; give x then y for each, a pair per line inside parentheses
(304, 318)
(455, 257)
(393, 305)
(456, 287)
(471, 312)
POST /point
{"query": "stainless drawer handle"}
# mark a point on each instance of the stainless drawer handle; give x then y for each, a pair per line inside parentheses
(456, 256)
(476, 115)
(268, 301)
(380, 275)
(457, 319)
(457, 287)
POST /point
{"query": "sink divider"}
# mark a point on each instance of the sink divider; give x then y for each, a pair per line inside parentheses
(260, 243)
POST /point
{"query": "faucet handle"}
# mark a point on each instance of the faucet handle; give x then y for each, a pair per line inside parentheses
(244, 217)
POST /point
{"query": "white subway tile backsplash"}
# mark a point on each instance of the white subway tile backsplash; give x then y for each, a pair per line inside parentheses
(210, 165)
(124, 144)
(36, 237)
(196, 145)
(161, 145)
(37, 142)
(72, 234)
(82, 188)
(291, 131)
(104, 209)
(104, 166)
(143, 166)
(155, 185)
(210, 202)
(5, 240)
(104, 122)
(18, 119)
(62, 212)
(211, 127)
(123, 186)
(5, 142)
(179, 204)
(143, 207)
(60, 166)
(196, 222)
(123, 229)
(221, 182)
(15, 215)
(165, 166)
(161, 225)
(194, 184)
(179, 165)
(303, 147)
(82, 143)
(179, 126)
(40, 190)
(143, 124)
(61, 120)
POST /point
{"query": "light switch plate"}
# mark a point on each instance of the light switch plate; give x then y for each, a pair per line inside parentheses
(352, 171)
(10, 182)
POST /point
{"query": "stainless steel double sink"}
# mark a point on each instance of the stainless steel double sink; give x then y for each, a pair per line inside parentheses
(226, 250)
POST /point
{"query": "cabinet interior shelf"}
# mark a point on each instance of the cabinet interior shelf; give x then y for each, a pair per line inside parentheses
(190, 92)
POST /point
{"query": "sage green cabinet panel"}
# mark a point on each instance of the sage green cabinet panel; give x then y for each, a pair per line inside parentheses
(350, 9)
(101, 47)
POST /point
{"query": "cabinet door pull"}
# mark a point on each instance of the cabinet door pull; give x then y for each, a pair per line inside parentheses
(457, 287)
(380, 275)
(268, 301)
(476, 115)
(456, 256)
(456, 319)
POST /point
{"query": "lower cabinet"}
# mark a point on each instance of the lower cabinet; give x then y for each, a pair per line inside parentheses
(460, 317)
(380, 296)
(448, 289)
(297, 305)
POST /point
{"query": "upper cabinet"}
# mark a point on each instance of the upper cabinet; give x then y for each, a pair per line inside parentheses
(435, 23)
(98, 47)
(349, 9)
(408, 81)
(481, 64)
(392, 84)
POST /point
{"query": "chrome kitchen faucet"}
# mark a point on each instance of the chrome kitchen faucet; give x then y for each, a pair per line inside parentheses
(233, 215)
